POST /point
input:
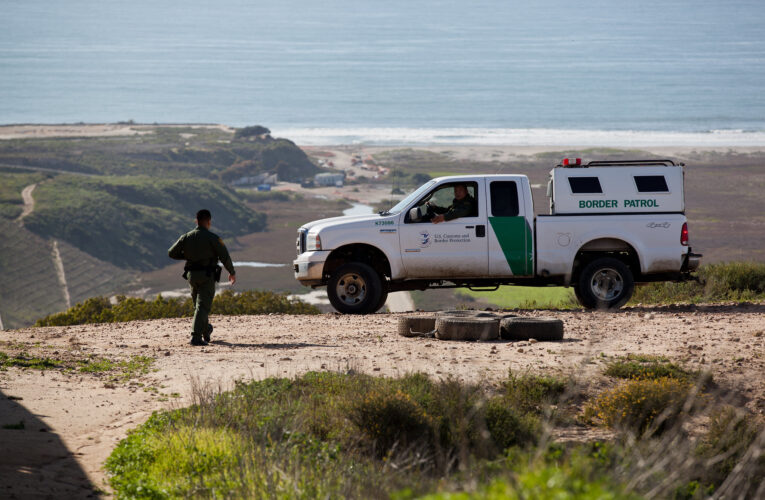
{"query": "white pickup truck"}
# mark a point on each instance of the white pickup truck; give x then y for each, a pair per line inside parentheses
(611, 224)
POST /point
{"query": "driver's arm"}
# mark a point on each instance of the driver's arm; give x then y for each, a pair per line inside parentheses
(436, 209)
(459, 209)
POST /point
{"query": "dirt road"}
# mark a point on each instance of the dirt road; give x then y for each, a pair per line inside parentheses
(88, 416)
(29, 202)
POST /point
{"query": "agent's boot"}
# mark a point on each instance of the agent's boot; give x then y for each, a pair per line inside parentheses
(197, 341)
(208, 332)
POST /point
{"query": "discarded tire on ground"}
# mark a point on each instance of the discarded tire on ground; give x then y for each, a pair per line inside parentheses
(531, 328)
(466, 313)
(455, 313)
(416, 326)
(466, 328)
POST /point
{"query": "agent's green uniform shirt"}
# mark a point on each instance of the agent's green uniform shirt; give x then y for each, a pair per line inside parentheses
(201, 248)
(459, 208)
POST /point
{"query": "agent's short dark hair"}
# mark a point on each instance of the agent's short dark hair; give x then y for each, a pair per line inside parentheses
(204, 215)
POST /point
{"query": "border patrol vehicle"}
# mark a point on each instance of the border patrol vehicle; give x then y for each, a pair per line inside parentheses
(611, 224)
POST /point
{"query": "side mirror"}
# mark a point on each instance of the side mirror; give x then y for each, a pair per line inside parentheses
(415, 215)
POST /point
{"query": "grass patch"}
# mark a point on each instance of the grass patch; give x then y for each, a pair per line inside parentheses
(330, 435)
(642, 406)
(731, 435)
(121, 370)
(326, 435)
(727, 281)
(637, 366)
(23, 360)
(101, 310)
(526, 297)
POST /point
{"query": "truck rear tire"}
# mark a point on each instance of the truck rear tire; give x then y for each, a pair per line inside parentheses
(605, 283)
(355, 288)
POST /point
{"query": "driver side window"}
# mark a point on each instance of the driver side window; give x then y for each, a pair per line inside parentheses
(440, 199)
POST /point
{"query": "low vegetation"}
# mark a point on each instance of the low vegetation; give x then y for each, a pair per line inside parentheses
(329, 435)
(643, 406)
(524, 297)
(641, 366)
(350, 435)
(726, 281)
(722, 282)
(117, 369)
(12, 182)
(102, 310)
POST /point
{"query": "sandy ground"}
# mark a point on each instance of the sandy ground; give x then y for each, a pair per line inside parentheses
(87, 130)
(84, 417)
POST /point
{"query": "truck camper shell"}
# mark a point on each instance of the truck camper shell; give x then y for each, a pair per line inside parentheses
(617, 187)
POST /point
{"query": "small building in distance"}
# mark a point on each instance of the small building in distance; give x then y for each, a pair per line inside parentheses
(329, 179)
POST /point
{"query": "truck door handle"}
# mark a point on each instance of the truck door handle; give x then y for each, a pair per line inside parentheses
(480, 231)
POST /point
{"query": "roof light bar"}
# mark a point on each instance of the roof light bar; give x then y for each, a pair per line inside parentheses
(570, 162)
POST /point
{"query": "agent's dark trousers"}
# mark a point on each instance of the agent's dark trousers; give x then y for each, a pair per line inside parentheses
(202, 293)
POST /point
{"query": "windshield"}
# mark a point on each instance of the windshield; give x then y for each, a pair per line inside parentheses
(398, 207)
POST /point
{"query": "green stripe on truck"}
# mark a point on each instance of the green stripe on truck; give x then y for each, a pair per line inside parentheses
(514, 236)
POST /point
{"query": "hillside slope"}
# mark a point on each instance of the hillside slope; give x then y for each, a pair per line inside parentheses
(131, 221)
(32, 286)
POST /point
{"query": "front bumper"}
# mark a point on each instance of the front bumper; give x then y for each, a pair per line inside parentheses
(309, 267)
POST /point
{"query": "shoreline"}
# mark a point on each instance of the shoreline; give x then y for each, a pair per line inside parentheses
(524, 145)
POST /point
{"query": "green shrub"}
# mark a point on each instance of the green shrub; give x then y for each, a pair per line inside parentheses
(642, 405)
(716, 282)
(646, 367)
(301, 438)
(731, 432)
(392, 420)
(532, 391)
(251, 131)
(508, 426)
(101, 310)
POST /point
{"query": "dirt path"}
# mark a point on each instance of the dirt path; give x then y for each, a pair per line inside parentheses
(59, 264)
(29, 202)
(89, 416)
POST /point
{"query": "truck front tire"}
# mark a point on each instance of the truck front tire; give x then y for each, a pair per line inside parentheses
(605, 283)
(355, 288)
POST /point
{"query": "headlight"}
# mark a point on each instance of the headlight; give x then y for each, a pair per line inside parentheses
(314, 242)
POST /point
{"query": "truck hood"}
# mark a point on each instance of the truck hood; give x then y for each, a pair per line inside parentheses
(343, 221)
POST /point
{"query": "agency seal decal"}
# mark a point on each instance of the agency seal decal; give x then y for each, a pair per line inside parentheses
(424, 239)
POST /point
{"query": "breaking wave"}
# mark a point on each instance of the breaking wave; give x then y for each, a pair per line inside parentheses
(519, 137)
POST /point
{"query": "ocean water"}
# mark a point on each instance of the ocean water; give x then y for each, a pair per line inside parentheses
(479, 72)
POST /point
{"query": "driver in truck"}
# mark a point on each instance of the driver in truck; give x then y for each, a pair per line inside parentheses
(463, 205)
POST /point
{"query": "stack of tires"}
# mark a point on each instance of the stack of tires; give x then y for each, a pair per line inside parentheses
(480, 325)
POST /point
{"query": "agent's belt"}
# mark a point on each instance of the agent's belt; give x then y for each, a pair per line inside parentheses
(210, 270)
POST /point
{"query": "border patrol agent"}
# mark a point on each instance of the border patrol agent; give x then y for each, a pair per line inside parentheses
(201, 249)
(463, 205)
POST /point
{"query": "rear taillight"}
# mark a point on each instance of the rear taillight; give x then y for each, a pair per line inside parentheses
(684, 235)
